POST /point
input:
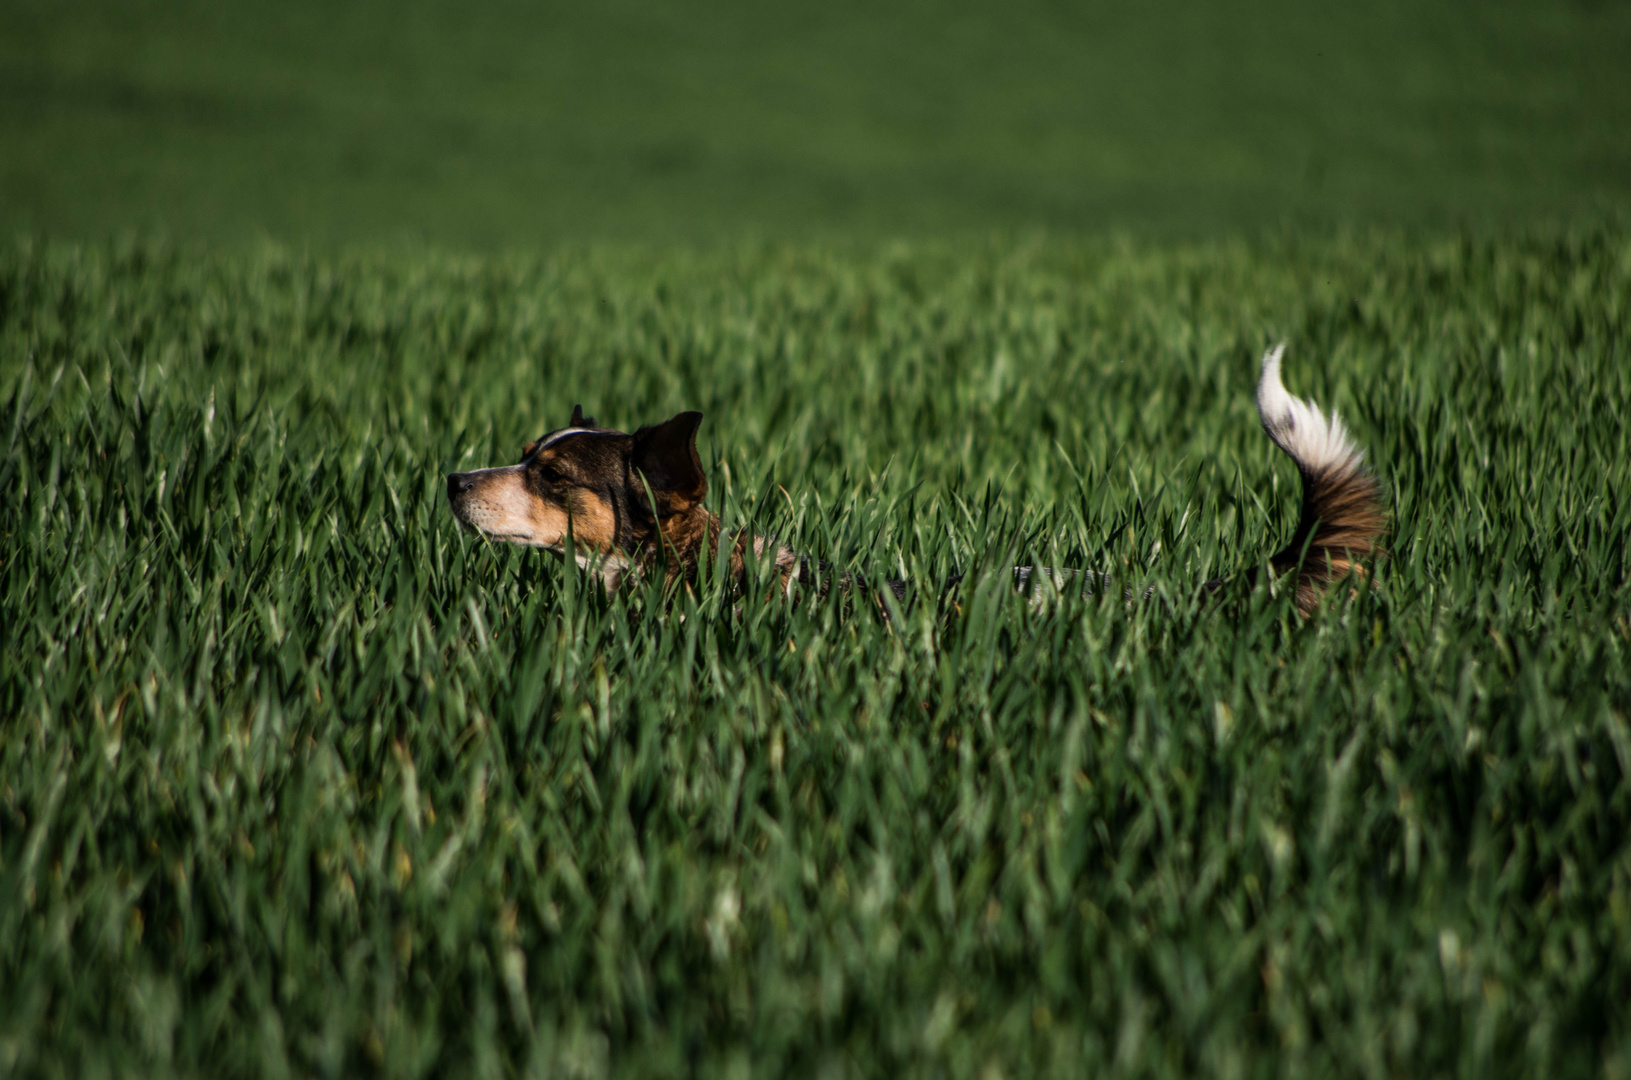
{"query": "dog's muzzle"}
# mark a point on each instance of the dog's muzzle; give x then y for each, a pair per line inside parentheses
(457, 484)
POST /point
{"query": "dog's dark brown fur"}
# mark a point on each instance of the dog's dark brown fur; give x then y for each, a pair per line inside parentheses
(1338, 531)
(625, 501)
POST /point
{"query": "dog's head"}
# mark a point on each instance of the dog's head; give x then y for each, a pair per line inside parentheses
(609, 490)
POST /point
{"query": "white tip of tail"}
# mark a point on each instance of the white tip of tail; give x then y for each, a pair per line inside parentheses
(1298, 427)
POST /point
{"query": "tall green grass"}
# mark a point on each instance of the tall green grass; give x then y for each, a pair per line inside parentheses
(297, 779)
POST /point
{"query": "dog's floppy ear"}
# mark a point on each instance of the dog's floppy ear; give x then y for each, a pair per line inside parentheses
(666, 455)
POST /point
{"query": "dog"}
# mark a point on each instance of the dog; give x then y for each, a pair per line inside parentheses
(624, 503)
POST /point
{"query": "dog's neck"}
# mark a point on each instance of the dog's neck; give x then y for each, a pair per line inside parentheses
(678, 542)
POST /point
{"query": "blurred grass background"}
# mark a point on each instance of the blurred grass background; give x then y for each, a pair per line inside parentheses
(506, 124)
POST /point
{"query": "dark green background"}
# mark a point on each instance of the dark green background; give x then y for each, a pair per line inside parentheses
(511, 125)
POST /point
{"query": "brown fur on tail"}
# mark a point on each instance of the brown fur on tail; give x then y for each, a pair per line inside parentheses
(1341, 526)
(1344, 514)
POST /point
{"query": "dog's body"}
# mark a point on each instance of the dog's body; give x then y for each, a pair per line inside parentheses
(622, 500)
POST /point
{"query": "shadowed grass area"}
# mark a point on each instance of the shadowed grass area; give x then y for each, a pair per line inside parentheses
(504, 125)
(297, 779)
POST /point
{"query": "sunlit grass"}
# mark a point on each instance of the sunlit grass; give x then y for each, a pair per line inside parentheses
(295, 778)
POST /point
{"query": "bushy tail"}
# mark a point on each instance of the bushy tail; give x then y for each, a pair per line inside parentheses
(1343, 515)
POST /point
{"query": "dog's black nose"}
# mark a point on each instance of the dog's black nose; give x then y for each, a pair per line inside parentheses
(458, 483)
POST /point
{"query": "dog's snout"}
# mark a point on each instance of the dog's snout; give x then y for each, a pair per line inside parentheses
(458, 483)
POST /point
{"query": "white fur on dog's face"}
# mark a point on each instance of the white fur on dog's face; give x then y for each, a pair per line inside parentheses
(496, 503)
(499, 504)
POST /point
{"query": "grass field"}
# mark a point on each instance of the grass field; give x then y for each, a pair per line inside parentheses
(296, 779)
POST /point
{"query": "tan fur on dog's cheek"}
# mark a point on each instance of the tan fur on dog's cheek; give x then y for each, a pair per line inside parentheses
(548, 525)
(594, 526)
